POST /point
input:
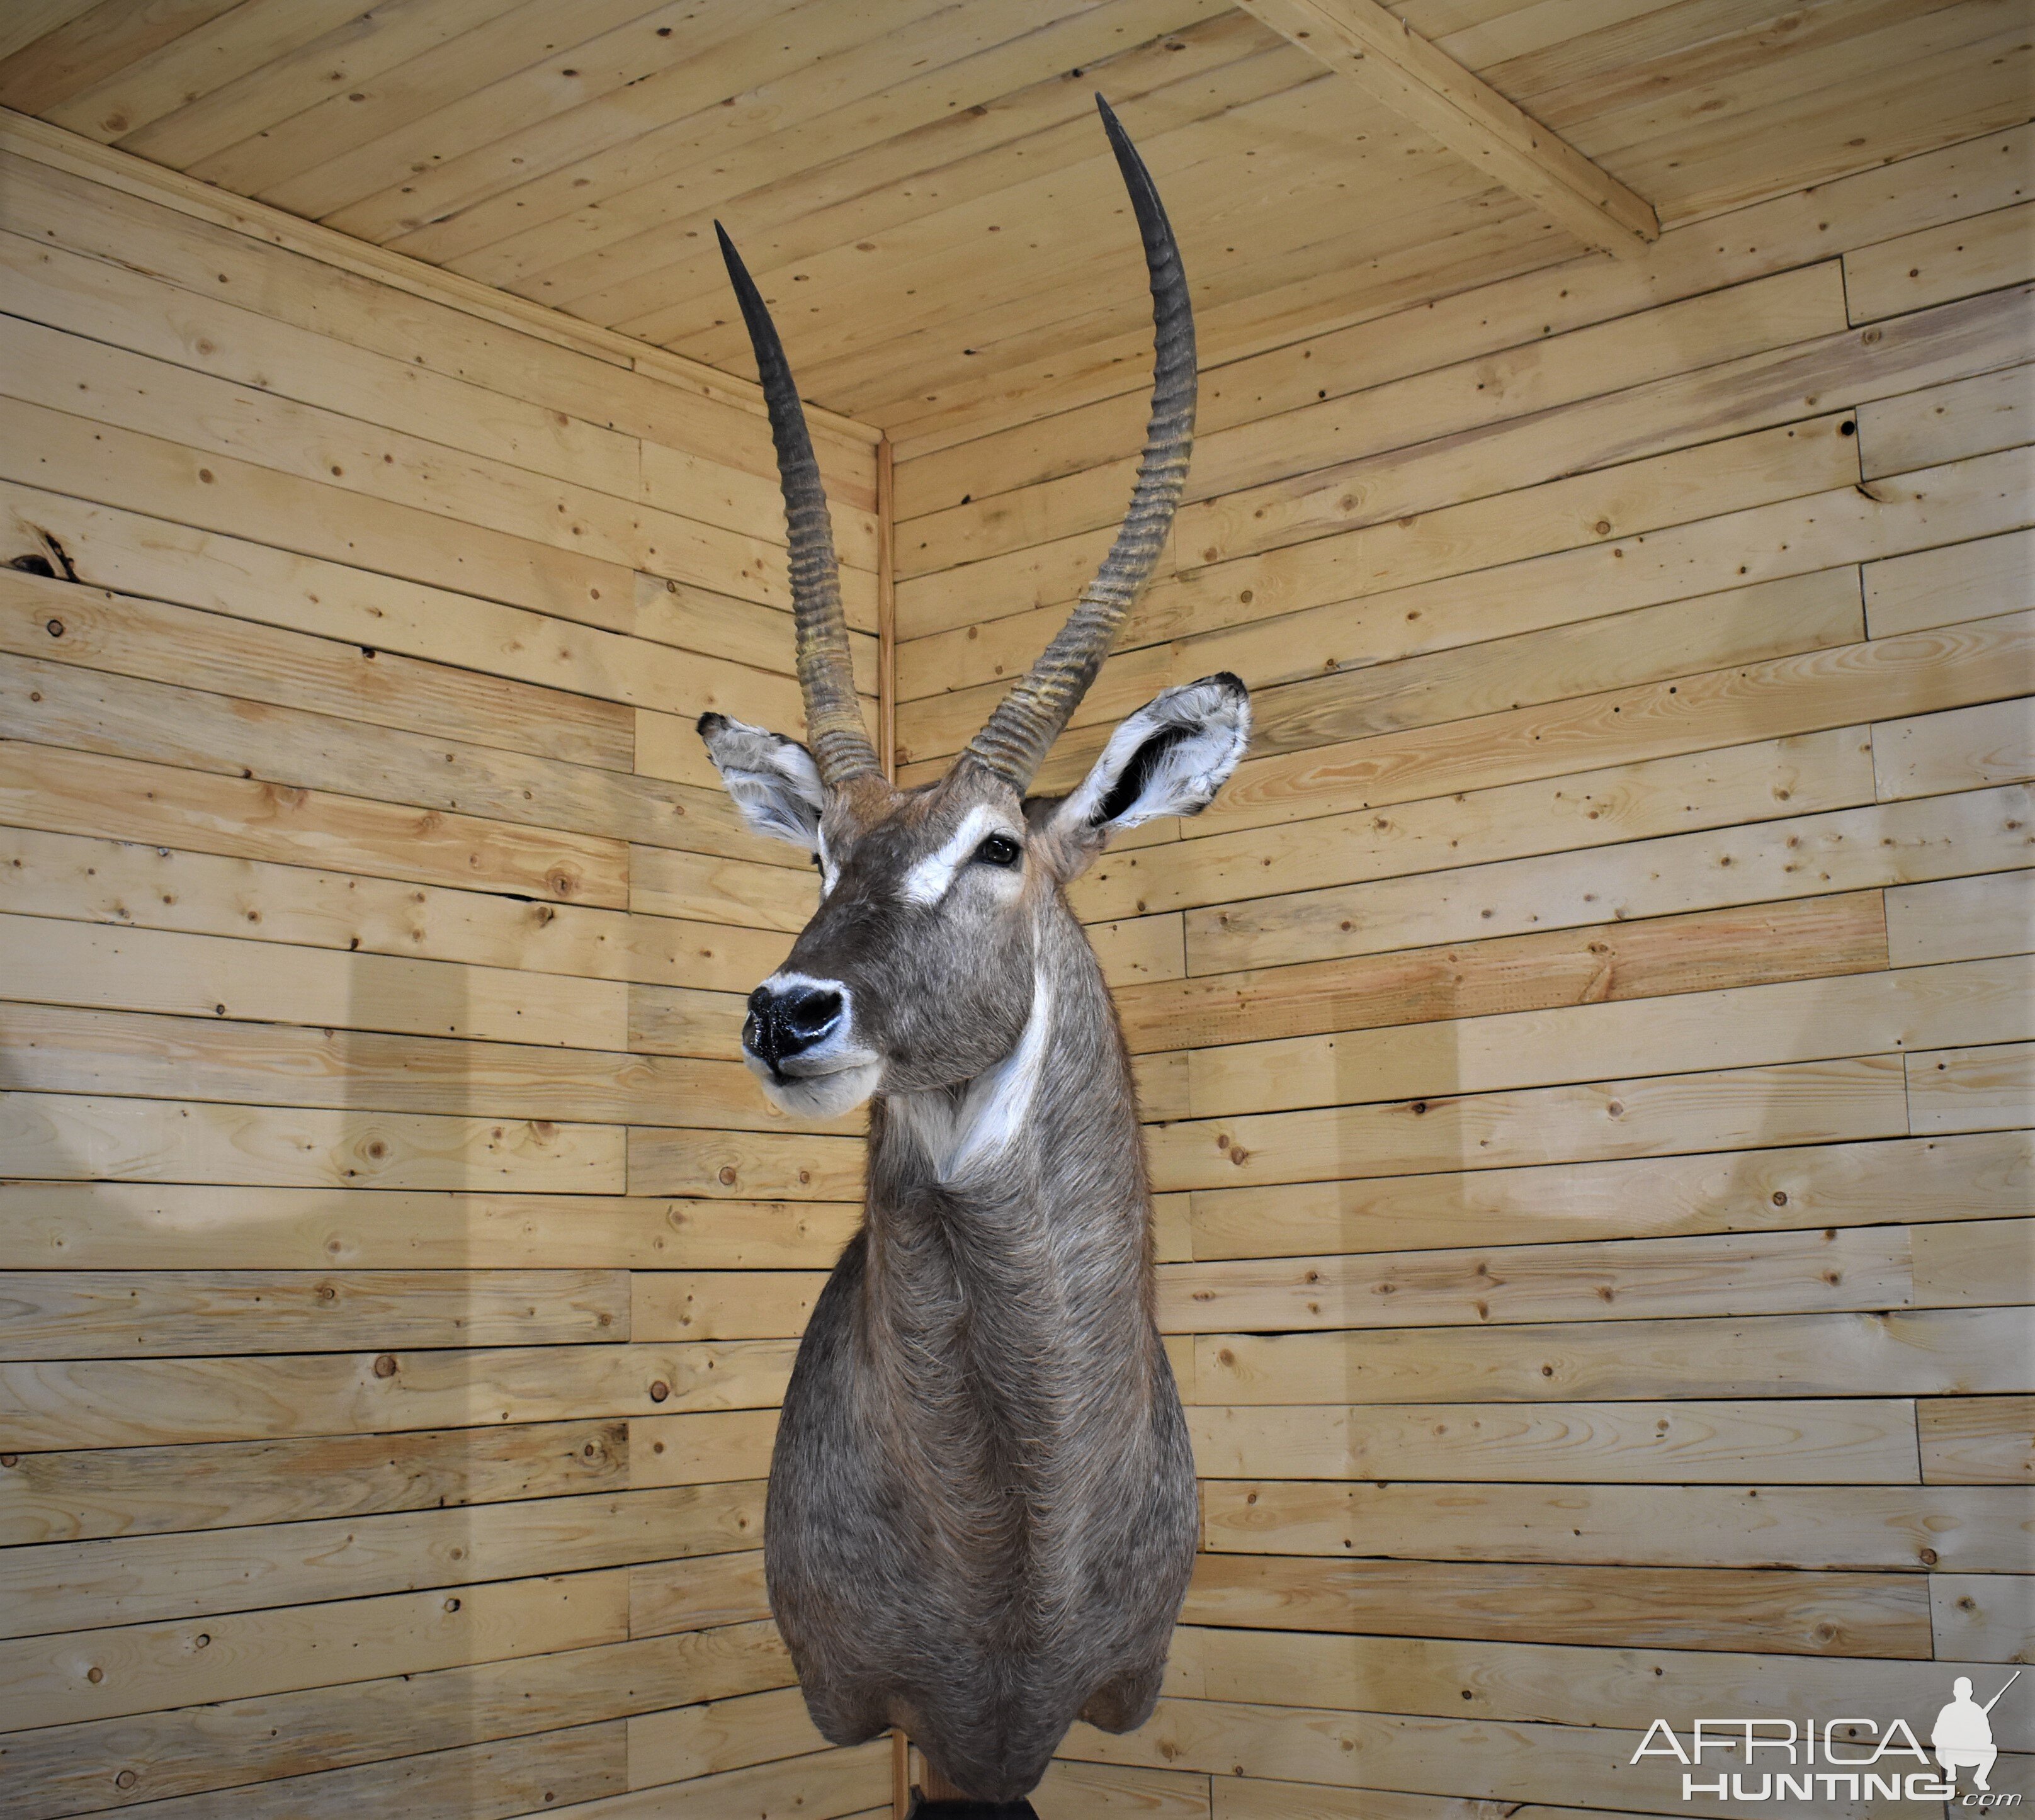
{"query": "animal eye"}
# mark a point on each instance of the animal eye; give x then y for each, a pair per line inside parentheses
(998, 850)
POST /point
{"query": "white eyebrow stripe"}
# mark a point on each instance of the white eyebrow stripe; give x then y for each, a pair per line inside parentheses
(927, 881)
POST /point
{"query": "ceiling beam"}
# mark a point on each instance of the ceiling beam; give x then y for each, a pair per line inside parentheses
(1361, 39)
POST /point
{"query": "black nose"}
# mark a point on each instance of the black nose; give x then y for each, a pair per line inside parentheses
(787, 1021)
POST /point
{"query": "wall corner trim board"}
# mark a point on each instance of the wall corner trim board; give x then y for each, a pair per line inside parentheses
(1381, 53)
(1586, 1051)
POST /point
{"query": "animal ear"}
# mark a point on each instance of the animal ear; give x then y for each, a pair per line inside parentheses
(774, 782)
(1169, 758)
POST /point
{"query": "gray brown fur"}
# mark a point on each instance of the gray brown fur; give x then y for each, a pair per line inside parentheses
(981, 1509)
(982, 1514)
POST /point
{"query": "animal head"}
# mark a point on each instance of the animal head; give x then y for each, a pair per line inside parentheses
(918, 970)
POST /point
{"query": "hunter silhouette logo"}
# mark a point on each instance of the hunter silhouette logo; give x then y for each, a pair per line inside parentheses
(1827, 1759)
(1963, 1734)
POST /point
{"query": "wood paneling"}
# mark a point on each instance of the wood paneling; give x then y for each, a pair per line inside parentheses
(125, 1226)
(1638, 1279)
(865, 158)
(197, 1751)
(150, 1668)
(128, 1403)
(79, 1495)
(475, 1782)
(1978, 1440)
(1820, 1185)
(1587, 1047)
(84, 1586)
(345, 905)
(1597, 1069)
(1507, 1683)
(55, 1049)
(1979, 1526)
(99, 1315)
(1868, 1441)
(1769, 1612)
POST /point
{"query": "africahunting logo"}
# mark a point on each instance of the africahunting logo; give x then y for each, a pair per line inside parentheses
(1828, 1760)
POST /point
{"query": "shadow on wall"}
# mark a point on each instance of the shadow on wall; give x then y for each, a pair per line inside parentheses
(271, 1378)
(1541, 1205)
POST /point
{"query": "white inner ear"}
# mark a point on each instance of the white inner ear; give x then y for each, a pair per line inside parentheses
(774, 780)
(773, 810)
(1186, 776)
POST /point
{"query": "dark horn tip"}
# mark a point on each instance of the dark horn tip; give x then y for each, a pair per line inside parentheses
(1144, 193)
(1111, 125)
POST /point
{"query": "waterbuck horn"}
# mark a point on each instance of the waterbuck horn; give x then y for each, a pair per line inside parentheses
(834, 730)
(1015, 741)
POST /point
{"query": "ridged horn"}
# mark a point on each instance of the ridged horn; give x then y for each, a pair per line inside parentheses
(1015, 741)
(834, 730)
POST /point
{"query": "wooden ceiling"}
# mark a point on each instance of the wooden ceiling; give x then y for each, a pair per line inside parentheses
(921, 186)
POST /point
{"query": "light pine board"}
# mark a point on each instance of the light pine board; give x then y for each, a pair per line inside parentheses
(1596, 1067)
(364, 887)
(1586, 1047)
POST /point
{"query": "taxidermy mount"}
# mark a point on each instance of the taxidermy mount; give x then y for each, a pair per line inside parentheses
(981, 1509)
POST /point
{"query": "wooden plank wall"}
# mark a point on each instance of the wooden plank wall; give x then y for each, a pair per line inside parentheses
(372, 934)
(1587, 1047)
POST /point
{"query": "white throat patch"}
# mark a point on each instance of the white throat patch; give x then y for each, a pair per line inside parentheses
(962, 1136)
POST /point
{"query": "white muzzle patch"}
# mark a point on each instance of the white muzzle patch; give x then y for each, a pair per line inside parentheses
(832, 1077)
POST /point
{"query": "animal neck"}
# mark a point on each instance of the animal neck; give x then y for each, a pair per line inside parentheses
(1019, 1197)
(1006, 1283)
